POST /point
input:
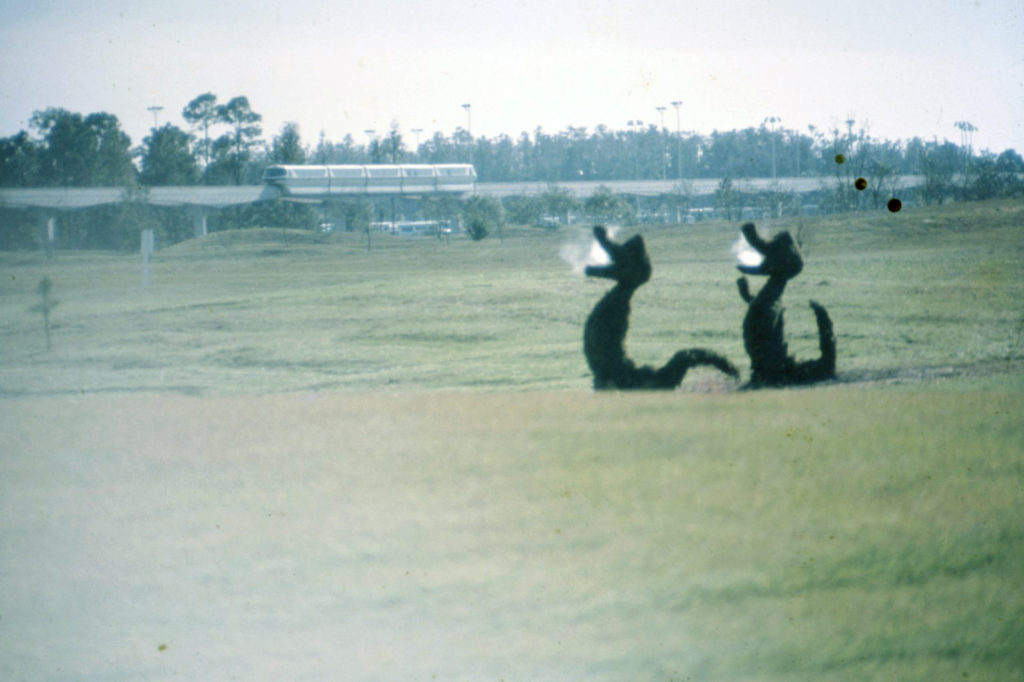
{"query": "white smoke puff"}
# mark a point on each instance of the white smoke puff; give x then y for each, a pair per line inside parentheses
(583, 250)
(746, 254)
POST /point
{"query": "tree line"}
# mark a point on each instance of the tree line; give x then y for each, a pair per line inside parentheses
(224, 144)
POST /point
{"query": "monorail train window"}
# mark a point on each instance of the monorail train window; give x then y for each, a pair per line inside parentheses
(315, 172)
(274, 172)
(346, 171)
(453, 170)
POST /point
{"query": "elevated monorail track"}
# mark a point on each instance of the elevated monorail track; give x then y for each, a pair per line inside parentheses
(318, 185)
(70, 198)
(700, 187)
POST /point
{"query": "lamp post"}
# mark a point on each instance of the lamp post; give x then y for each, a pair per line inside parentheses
(679, 141)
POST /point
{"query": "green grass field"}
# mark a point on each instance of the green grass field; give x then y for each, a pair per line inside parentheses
(299, 459)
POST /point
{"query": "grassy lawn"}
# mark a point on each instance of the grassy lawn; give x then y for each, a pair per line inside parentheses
(266, 311)
(297, 460)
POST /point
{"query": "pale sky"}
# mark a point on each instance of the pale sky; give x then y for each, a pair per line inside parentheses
(904, 67)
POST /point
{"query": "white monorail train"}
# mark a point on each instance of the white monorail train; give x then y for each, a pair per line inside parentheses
(322, 181)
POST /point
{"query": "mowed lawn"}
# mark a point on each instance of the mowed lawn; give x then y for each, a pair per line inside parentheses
(836, 533)
(299, 460)
(919, 293)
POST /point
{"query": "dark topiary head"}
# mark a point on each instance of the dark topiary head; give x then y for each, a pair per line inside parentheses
(630, 265)
(781, 255)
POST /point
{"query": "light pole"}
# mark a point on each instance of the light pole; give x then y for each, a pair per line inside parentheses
(634, 129)
(664, 158)
(771, 121)
(371, 135)
(469, 129)
(155, 110)
(967, 130)
(416, 132)
(679, 141)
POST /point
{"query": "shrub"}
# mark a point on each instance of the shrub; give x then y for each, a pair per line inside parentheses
(481, 215)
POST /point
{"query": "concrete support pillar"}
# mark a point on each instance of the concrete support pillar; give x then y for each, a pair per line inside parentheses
(199, 214)
(48, 232)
